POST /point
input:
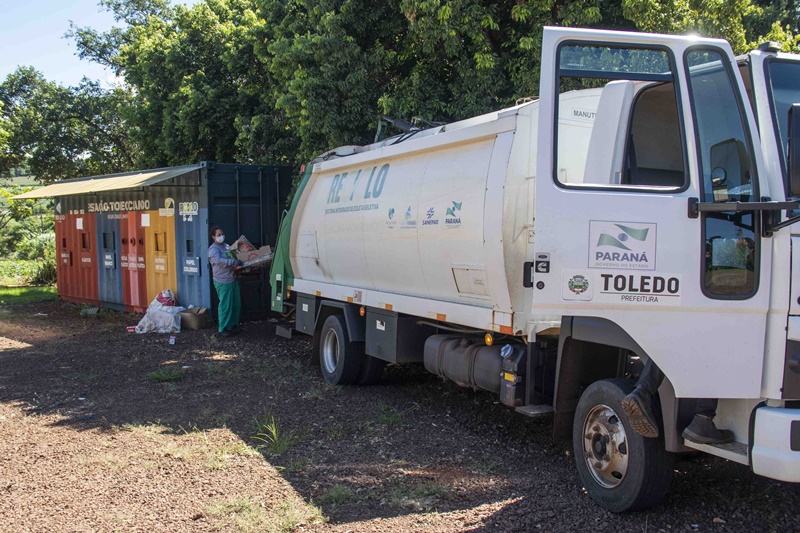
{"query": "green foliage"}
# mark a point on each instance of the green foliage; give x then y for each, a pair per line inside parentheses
(337, 495)
(27, 239)
(200, 91)
(277, 81)
(14, 209)
(45, 273)
(25, 295)
(744, 23)
(64, 132)
(274, 439)
(165, 375)
(16, 272)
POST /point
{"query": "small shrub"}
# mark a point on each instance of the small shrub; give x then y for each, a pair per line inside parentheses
(164, 375)
(336, 496)
(45, 273)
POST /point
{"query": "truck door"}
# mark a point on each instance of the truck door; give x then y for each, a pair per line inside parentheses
(645, 168)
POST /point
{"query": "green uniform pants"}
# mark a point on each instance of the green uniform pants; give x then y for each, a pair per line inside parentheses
(229, 304)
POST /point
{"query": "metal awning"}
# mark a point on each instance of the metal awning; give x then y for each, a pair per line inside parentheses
(109, 182)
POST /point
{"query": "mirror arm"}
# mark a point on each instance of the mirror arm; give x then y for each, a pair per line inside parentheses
(769, 229)
(696, 207)
(767, 208)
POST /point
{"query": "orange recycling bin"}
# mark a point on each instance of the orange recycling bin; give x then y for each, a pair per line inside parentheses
(161, 269)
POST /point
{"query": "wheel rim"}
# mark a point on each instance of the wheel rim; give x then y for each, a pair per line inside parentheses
(605, 446)
(330, 351)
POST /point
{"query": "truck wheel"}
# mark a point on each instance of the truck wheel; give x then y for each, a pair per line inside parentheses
(339, 359)
(371, 370)
(621, 470)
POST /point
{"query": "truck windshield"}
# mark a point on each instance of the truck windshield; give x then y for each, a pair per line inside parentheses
(784, 90)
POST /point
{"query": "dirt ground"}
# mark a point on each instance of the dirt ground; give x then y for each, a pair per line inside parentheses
(103, 430)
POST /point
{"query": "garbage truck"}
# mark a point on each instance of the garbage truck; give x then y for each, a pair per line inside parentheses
(549, 251)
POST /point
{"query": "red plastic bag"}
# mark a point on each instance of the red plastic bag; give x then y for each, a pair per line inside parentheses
(166, 297)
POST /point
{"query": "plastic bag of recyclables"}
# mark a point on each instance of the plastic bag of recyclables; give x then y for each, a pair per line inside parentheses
(162, 315)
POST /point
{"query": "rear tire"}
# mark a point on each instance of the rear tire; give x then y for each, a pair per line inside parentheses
(621, 470)
(371, 370)
(339, 359)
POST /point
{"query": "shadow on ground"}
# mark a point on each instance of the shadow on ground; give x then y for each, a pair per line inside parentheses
(413, 445)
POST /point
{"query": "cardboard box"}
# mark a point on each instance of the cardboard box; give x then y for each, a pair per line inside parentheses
(254, 255)
(246, 252)
(195, 318)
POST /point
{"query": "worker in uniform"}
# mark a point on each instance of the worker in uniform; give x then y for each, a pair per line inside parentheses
(225, 283)
(638, 405)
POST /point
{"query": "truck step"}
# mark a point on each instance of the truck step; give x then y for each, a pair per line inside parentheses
(535, 410)
(734, 451)
(283, 331)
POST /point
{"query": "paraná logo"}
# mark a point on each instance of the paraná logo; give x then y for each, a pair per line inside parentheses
(622, 245)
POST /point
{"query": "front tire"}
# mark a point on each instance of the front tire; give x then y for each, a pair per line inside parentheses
(339, 359)
(621, 470)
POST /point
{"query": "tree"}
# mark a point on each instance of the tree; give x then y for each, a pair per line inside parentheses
(201, 93)
(743, 23)
(14, 209)
(283, 80)
(64, 132)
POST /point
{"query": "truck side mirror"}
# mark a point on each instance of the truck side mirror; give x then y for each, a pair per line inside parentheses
(793, 188)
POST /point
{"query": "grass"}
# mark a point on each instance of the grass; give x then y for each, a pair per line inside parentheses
(336, 496)
(391, 416)
(165, 375)
(291, 515)
(274, 439)
(334, 432)
(248, 515)
(25, 295)
(218, 456)
(485, 466)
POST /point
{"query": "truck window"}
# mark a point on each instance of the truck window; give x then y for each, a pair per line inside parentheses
(727, 173)
(784, 90)
(654, 153)
(618, 120)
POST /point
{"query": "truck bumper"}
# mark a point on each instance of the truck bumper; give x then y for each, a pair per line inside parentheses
(776, 443)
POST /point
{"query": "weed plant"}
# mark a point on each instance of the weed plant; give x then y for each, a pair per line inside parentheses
(272, 437)
(165, 375)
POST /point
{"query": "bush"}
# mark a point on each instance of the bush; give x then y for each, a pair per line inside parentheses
(45, 273)
(35, 246)
(16, 272)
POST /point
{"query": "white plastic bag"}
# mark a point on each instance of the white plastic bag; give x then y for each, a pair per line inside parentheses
(160, 318)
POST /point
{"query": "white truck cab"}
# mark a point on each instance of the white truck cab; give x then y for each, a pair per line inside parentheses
(545, 251)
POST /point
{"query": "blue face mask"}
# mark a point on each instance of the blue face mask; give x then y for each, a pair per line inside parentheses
(220, 239)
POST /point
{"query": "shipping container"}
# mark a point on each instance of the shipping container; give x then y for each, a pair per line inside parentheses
(122, 238)
(109, 272)
(77, 267)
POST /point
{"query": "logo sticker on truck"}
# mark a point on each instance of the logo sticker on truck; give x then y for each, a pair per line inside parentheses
(577, 285)
(648, 289)
(352, 181)
(452, 218)
(622, 288)
(622, 245)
